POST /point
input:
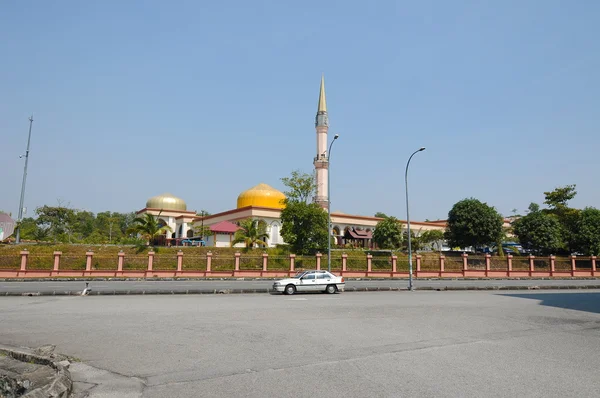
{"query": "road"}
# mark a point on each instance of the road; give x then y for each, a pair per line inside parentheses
(195, 286)
(372, 344)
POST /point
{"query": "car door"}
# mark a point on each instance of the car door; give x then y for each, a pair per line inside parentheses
(323, 279)
(307, 283)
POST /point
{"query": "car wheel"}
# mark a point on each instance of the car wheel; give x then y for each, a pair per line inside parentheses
(290, 289)
(331, 289)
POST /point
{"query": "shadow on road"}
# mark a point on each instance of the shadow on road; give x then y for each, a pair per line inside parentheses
(589, 302)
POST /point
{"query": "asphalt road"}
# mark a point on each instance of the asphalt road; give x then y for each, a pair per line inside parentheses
(191, 286)
(373, 344)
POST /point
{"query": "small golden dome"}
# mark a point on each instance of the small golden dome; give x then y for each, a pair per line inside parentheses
(166, 201)
(261, 195)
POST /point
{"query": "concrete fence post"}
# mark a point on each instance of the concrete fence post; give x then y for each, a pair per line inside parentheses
(509, 263)
(573, 267)
(442, 263)
(593, 260)
(344, 262)
(88, 260)
(121, 261)
(56, 261)
(369, 262)
(237, 260)
(531, 264)
(419, 262)
(265, 261)
(465, 260)
(150, 260)
(319, 255)
(208, 261)
(394, 264)
(488, 263)
(24, 254)
(292, 262)
(179, 261)
(552, 265)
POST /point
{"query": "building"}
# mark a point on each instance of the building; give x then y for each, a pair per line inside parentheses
(264, 203)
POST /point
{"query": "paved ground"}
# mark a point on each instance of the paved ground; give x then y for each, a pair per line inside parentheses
(191, 286)
(381, 344)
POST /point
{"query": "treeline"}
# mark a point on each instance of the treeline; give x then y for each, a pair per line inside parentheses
(556, 229)
(60, 224)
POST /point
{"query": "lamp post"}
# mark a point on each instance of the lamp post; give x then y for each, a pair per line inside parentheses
(410, 279)
(20, 217)
(335, 137)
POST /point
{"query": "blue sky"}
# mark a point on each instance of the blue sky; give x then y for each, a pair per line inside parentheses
(206, 99)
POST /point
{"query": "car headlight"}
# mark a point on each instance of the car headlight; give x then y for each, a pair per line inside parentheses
(276, 283)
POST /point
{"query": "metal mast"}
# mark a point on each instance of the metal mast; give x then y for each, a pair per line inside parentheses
(20, 218)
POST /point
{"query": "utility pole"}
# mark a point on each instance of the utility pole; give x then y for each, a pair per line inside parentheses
(20, 217)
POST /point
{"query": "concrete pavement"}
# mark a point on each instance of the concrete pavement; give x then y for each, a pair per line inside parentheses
(385, 344)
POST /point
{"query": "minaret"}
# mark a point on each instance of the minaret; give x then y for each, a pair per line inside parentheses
(321, 161)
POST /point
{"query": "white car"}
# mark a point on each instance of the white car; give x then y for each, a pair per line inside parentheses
(310, 281)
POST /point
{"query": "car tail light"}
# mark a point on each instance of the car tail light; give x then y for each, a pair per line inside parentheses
(342, 279)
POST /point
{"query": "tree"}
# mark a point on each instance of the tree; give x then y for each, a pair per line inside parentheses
(302, 186)
(252, 233)
(473, 223)
(304, 226)
(148, 227)
(567, 217)
(539, 232)
(202, 230)
(433, 237)
(533, 207)
(588, 232)
(388, 233)
(58, 220)
(380, 215)
(29, 229)
(560, 196)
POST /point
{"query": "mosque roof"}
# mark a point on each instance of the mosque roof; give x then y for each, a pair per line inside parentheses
(166, 201)
(224, 226)
(261, 195)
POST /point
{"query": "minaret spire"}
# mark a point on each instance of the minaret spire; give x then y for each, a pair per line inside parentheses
(322, 119)
(321, 161)
(322, 101)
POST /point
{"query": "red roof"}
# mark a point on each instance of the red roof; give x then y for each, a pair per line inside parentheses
(360, 234)
(224, 226)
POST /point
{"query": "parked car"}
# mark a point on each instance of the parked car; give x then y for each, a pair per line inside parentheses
(310, 281)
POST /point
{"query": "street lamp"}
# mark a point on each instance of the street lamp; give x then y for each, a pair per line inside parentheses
(410, 281)
(20, 216)
(335, 137)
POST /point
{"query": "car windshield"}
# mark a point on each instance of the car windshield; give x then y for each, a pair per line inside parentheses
(299, 275)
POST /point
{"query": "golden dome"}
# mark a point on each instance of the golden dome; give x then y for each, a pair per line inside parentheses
(261, 195)
(166, 201)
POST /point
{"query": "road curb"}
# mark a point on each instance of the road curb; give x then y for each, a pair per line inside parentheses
(136, 292)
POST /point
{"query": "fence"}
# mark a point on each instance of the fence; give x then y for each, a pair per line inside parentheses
(243, 264)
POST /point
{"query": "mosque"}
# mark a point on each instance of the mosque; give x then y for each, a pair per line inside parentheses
(264, 203)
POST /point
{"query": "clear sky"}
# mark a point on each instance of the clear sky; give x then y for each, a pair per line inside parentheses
(205, 99)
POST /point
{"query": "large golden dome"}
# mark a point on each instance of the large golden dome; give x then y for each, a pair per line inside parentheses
(166, 201)
(261, 195)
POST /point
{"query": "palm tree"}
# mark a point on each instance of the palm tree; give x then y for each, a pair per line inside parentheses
(252, 233)
(148, 227)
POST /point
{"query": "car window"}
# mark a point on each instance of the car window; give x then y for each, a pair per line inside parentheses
(309, 276)
(323, 276)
